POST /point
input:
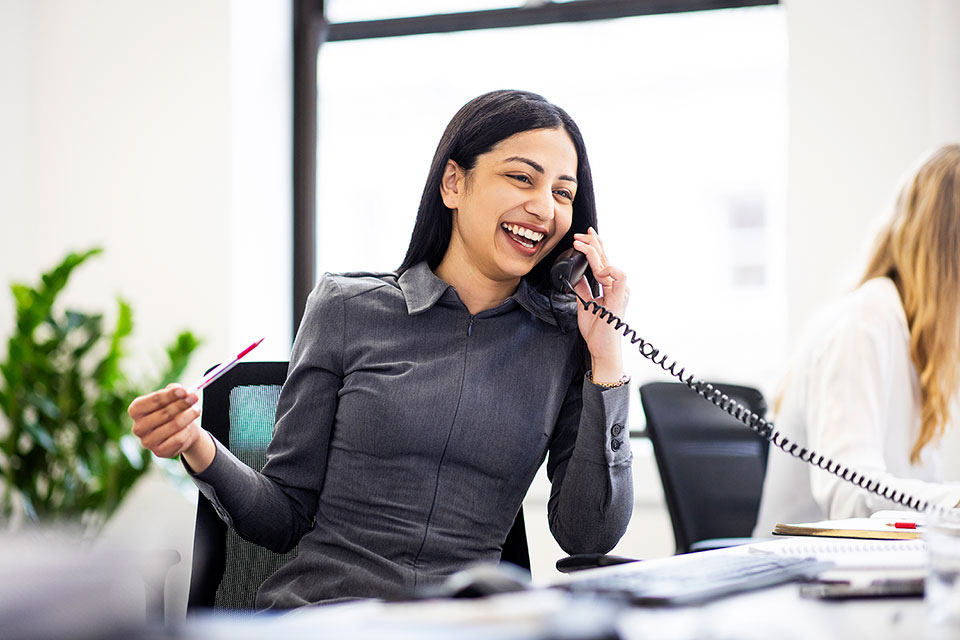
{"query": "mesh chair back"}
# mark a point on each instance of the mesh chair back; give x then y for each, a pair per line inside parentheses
(239, 410)
(711, 465)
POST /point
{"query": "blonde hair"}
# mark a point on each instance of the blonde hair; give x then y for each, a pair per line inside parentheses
(919, 249)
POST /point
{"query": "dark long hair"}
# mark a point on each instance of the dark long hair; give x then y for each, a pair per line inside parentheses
(476, 128)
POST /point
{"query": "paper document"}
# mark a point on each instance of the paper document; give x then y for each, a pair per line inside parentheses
(852, 554)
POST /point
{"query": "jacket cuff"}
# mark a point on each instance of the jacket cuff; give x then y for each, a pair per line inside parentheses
(604, 434)
(221, 473)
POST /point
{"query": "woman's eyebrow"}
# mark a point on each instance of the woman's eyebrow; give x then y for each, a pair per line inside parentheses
(537, 167)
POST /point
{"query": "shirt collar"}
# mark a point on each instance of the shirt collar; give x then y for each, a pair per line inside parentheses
(422, 289)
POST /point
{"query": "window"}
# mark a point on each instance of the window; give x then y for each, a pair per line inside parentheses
(684, 117)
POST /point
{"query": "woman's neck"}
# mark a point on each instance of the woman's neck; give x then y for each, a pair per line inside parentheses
(477, 291)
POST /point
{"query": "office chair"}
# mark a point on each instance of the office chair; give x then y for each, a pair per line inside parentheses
(239, 410)
(711, 465)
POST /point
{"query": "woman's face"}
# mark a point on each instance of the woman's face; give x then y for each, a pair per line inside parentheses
(516, 203)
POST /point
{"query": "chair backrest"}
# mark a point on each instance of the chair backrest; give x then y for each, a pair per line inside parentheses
(711, 465)
(239, 410)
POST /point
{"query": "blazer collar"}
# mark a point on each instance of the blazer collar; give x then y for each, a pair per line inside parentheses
(422, 289)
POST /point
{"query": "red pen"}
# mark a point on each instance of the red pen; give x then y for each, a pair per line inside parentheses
(221, 369)
(903, 525)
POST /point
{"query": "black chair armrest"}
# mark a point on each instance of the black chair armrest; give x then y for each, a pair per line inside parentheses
(581, 561)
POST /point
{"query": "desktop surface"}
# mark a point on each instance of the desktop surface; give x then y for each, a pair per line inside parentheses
(779, 612)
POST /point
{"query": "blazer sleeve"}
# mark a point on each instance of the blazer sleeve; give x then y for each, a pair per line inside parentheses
(590, 468)
(275, 507)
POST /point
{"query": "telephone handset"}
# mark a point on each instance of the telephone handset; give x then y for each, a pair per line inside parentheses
(570, 267)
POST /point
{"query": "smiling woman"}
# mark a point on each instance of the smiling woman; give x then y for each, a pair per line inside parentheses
(419, 404)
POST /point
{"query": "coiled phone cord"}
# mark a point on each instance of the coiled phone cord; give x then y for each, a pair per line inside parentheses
(758, 425)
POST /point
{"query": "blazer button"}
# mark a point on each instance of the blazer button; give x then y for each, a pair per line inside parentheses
(616, 430)
(616, 444)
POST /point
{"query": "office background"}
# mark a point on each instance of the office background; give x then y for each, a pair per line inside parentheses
(163, 133)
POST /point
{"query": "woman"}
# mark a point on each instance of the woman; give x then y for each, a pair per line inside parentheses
(873, 386)
(419, 404)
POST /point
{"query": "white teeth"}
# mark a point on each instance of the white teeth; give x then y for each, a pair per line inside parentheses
(523, 232)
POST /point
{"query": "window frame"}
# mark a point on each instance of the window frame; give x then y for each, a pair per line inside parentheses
(311, 30)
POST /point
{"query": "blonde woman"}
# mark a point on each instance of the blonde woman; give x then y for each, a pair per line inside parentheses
(873, 385)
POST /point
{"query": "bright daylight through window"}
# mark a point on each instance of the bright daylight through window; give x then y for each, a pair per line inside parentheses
(684, 117)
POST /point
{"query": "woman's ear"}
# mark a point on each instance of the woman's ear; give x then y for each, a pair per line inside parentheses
(451, 185)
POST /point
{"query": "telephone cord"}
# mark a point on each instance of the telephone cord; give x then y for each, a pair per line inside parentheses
(758, 425)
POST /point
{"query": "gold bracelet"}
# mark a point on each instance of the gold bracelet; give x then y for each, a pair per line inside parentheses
(624, 379)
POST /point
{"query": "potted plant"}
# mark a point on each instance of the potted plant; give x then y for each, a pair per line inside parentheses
(66, 450)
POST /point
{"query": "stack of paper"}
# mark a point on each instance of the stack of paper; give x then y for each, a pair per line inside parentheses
(883, 525)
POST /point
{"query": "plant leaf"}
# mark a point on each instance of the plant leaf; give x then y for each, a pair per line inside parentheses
(178, 355)
(39, 435)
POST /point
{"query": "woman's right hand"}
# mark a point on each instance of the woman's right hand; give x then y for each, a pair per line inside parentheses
(167, 422)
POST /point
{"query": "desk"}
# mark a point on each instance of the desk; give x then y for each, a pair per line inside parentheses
(778, 613)
(773, 614)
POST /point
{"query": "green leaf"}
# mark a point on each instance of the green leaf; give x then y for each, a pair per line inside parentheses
(55, 280)
(124, 321)
(40, 435)
(178, 355)
(74, 319)
(93, 327)
(108, 371)
(45, 405)
(29, 315)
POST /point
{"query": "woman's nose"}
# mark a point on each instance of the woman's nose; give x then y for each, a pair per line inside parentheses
(540, 204)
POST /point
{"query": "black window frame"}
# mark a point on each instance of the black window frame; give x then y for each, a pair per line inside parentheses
(311, 29)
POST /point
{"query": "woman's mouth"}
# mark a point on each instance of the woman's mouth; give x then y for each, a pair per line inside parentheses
(527, 239)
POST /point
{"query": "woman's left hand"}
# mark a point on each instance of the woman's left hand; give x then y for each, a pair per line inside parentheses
(603, 340)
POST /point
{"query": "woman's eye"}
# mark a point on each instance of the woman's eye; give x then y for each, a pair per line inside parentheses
(563, 193)
(519, 177)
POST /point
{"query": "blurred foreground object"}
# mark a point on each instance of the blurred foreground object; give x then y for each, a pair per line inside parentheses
(54, 587)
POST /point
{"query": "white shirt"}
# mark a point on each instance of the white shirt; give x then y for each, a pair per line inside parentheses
(853, 395)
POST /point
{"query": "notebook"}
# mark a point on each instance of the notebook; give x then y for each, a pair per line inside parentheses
(882, 525)
(851, 553)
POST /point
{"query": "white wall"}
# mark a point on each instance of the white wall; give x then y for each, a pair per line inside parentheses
(873, 85)
(160, 131)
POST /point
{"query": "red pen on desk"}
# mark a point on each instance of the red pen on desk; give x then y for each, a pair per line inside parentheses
(221, 369)
(903, 525)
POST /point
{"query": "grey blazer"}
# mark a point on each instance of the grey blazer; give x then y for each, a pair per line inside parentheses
(408, 432)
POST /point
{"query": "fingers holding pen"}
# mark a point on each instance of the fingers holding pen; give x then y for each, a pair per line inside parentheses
(159, 408)
(151, 403)
(169, 428)
(166, 421)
